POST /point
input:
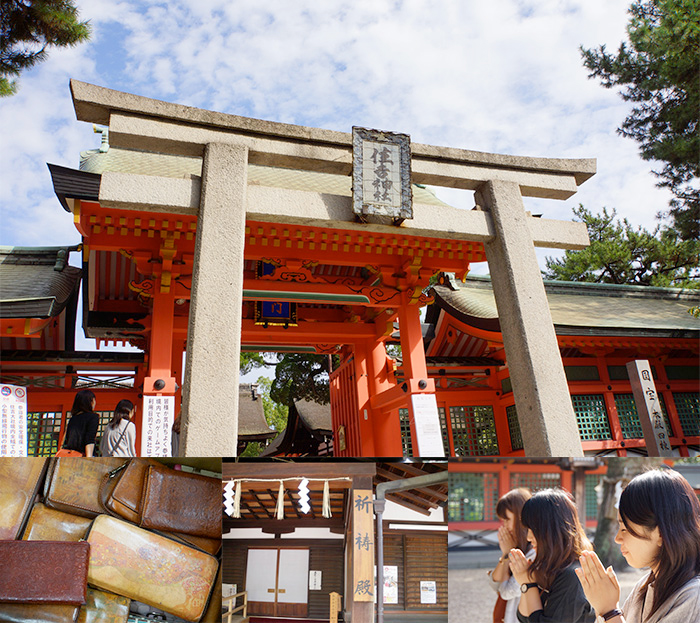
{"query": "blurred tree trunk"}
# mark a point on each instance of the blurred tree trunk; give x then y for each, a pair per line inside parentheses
(620, 471)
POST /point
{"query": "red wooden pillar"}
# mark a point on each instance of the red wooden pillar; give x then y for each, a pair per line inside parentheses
(386, 427)
(414, 366)
(360, 363)
(161, 345)
(160, 380)
(412, 350)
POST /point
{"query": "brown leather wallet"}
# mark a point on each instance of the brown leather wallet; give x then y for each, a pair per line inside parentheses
(121, 490)
(48, 524)
(181, 502)
(73, 484)
(148, 567)
(20, 481)
(44, 572)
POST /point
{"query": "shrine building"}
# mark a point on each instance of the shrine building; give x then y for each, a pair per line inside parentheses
(301, 540)
(208, 234)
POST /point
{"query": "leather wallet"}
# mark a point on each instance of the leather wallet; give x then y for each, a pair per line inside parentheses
(48, 524)
(73, 484)
(121, 490)
(104, 607)
(151, 568)
(183, 502)
(38, 613)
(20, 481)
(211, 546)
(43, 572)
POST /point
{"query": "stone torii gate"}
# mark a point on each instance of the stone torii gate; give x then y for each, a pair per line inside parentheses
(221, 200)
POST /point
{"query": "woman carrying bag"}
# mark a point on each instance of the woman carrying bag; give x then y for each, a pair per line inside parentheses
(81, 429)
(119, 438)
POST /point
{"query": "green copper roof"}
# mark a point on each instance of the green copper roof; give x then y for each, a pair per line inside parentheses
(582, 308)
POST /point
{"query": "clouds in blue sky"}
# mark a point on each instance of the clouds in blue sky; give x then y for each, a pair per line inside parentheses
(503, 76)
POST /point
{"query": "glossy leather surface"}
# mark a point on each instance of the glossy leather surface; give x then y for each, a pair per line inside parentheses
(20, 481)
(104, 607)
(123, 497)
(73, 484)
(150, 568)
(22, 613)
(48, 524)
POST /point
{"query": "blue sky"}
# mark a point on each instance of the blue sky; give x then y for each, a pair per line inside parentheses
(502, 76)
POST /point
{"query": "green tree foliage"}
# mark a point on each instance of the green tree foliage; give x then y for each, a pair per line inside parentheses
(623, 254)
(28, 28)
(301, 376)
(660, 73)
(250, 361)
(275, 413)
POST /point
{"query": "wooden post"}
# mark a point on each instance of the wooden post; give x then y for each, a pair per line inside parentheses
(386, 427)
(334, 607)
(422, 404)
(648, 408)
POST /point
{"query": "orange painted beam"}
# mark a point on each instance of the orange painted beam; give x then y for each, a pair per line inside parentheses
(307, 332)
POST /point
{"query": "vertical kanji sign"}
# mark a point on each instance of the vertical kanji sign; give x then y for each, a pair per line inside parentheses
(363, 545)
(13, 420)
(381, 179)
(648, 404)
(157, 422)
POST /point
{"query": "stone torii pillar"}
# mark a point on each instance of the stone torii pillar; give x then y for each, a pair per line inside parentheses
(546, 414)
(213, 352)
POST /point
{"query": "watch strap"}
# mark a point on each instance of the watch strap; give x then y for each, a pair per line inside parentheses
(613, 613)
(524, 588)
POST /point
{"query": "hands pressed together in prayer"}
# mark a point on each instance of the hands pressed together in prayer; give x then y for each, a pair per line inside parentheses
(520, 567)
(506, 540)
(599, 584)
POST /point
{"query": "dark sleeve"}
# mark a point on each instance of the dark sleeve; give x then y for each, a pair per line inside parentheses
(565, 602)
(93, 422)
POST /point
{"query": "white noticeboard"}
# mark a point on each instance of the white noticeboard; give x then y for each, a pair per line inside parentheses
(428, 593)
(427, 425)
(157, 423)
(13, 420)
(314, 580)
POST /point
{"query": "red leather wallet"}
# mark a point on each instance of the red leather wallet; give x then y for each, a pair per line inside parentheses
(44, 572)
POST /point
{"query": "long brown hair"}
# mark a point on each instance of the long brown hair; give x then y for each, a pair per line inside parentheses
(663, 499)
(121, 412)
(552, 516)
(514, 501)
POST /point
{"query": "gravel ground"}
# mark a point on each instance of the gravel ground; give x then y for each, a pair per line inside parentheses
(471, 599)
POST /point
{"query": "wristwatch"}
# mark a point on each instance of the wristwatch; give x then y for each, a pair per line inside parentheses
(524, 588)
